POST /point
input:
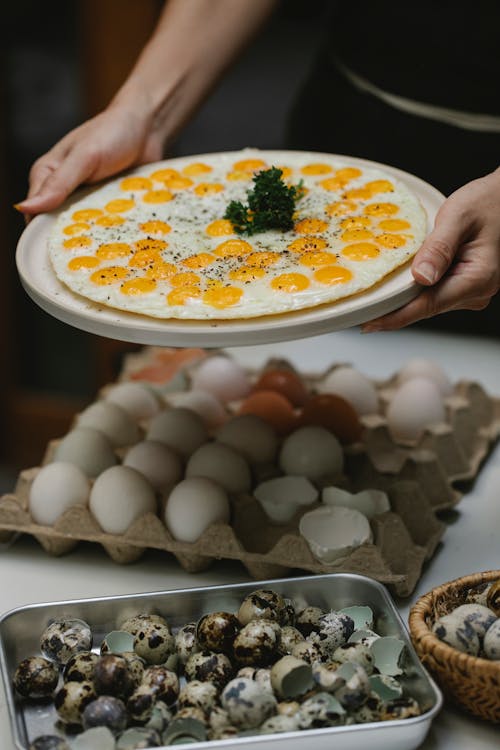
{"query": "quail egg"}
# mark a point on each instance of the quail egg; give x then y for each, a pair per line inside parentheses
(163, 682)
(185, 642)
(357, 653)
(80, 667)
(307, 651)
(49, 742)
(320, 710)
(261, 676)
(281, 723)
(138, 737)
(208, 666)
(356, 688)
(492, 641)
(289, 637)
(334, 630)
(71, 700)
(112, 676)
(154, 643)
(35, 677)
(308, 619)
(458, 633)
(263, 603)
(65, 637)
(105, 711)
(257, 642)
(196, 694)
(217, 631)
(400, 708)
(246, 703)
(141, 703)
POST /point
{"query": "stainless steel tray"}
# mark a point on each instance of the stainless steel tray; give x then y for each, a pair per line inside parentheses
(20, 631)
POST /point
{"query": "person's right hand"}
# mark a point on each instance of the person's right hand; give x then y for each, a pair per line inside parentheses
(110, 142)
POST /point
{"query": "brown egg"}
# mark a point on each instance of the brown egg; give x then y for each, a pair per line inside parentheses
(283, 381)
(334, 413)
(273, 407)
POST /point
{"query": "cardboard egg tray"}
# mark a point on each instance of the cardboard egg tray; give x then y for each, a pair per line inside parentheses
(420, 479)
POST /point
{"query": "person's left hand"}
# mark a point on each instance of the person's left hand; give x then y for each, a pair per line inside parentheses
(459, 261)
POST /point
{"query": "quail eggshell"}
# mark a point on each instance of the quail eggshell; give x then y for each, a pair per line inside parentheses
(181, 429)
(137, 399)
(352, 385)
(49, 742)
(112, 420)
(158, 463)
(193, 505)
(426, 368)
(116, 642)
(332, 532)
(119, 497)
(57, 487)
(369, 502)
(385, 686)
(387, 653)
(361, 615)
(415, 406)
(97, 737)
(223, 465)
(491, 643)
(251, 436)
(138, 737)
(320, 710)
(221, 376)
(291, 677)
(87, 448)
(205, 404)
(281, 497)
(356, 688)
(313, 452)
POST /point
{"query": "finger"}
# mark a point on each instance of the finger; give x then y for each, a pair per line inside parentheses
(440, 247)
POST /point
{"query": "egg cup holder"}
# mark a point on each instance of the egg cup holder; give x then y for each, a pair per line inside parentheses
(421, 479)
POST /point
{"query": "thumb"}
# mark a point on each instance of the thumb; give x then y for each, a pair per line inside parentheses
(439, 248)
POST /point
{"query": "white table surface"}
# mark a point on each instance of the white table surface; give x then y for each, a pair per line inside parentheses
(471, 543)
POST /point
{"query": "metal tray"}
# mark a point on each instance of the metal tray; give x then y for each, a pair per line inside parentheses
(20, 631)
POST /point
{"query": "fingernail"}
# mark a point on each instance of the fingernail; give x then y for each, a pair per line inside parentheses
(427, 271)
(18, 207)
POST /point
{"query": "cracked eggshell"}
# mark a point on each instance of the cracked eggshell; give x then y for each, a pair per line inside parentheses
(251, 436)
(57, 487)
(158, 463)
(119, 497)
(100, 737)
(385, 686)
(349, 383)
(387, 652)
(193, 505)
(311, 451)
(137, 399)
(356, 688)
(281, 497)
(116, 642)
(361, 615)
(321, 710)
(291, 677)
(205, 404)
(332, 532)
(416, 405)
(87, 448)
(369, 502)
(112, 420)
(223, 465)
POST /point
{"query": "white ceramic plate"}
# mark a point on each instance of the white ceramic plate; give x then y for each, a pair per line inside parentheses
(42, 285)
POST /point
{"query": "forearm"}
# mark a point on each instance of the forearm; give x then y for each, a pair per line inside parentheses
(193, 43)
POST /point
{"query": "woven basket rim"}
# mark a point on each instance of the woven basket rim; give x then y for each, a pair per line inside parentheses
(426, 642)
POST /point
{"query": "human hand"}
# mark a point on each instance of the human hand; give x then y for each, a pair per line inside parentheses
(459, 261)
(113, 140)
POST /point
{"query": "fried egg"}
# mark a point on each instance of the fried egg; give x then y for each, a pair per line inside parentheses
(155, 242)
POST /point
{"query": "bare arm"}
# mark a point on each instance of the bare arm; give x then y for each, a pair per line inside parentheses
(193, 44)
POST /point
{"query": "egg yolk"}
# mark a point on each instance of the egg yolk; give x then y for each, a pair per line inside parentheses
(154, 245)
(379, 186)
(285, 172)
(225, 296)
(178, 183)
(394, 225)
(360, 194)
(249, 165)
(183, 294)
(233, 247)
(361, 251)
(333, 183)
(185, 279)
(75, 242)
(335, 413)
(143, 258)
(78, 228)
(208, 188)
(307, 244)
(160, 270)
(290, 282)
(272, 407)
(381, 209)
(262, 259)
(82, 262)
(314, 169)
(110, 221)
(157, 196)
(109, 275)
(311, 226)
(238, 175)
(196, 168)
(317, 259)
(138, 286)
(332, 275)
(355, 222)
(391, 241)
(119, 205)
(164, 174)
(155, 226)
(246, 274)
(340, 207)
(201, 260)
(113, 250)
(136, 183)
(286, 382)
(219, 228)
(356, 235)
(86, 214)
(348, 173)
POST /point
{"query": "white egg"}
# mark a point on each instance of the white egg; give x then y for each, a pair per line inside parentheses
(420, 367)
(193, 505)
(416, 404)
(281, 497)
(203, 403)
(161, 466)
(251, 436)
(119, 497)
(353, 386)
(222, 464)
(57, 487)
(112, 420)
(138, 400)
(87, 448)
(179, 428)
(311, 452)
(221, 376)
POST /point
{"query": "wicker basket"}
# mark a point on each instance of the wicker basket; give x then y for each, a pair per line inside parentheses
(471, 682)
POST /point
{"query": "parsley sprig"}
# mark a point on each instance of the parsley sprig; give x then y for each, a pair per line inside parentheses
(270, 204)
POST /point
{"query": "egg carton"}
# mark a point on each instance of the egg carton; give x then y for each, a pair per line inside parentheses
(404, 538)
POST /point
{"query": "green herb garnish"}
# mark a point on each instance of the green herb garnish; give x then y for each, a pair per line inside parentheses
(270, 204)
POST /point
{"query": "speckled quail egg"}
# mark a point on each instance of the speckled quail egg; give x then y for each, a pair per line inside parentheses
(371, 710)
(138, 737)
(154, 643)
(49, 742)
(105, 711)
(357, 653)
(247, 704)
(218, 718)
(35, 677)
(134, 623)
(164, 682)
(281, 723)
(356, 688)
(458, 633)
(289, 637)
(65, 637)
(287, 708)
(257, 642)
(400, 708)
(493, 597)
(228, 732)
(71, 700)
(217, 631)
(80, 667)
(327, 676)
(307, 651)
(194, 713)
(263, 603)
(320, 710)
(198, 694)
(208, 666)
(112, 676)
(479, 616)
(491, 643)
(160, 717)
(136, 666)
(185, 642)
(261, 675)
(291, 677)
(307, 619)
(141, 703)
(334, 630)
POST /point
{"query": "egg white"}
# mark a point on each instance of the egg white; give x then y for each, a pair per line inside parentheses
(189, 214)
